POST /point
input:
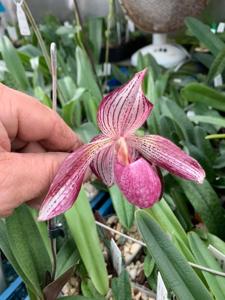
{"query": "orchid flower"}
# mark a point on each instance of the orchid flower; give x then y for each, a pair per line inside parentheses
(119, 156)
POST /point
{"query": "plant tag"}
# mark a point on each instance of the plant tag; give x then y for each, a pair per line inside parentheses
(116, 256)
(161, 293)
(12, 33)
(221, 27)
(22, 19)
(218, 80)
(130, 25)
(107, 67)
(219, 256)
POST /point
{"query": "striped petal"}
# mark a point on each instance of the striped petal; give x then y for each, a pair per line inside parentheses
(103, 165)
(139, 182)
(125, 109)
(67, 182)
(163, 153)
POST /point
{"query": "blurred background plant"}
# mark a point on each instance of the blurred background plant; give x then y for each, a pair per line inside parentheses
(189, 104)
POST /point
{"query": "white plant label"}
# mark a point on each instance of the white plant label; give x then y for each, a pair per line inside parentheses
(219, 256)
(218, 80)
(116, 257)
(161, 293)
(131, 26)
(22, 19)
(221, 27)
(12, 33)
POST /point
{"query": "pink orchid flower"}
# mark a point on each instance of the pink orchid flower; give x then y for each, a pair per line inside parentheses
(119, 156)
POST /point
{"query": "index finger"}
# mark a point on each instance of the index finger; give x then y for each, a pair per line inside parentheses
(28, 120)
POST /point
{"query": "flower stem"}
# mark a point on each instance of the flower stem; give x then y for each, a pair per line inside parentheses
(107, 35)
(38, 34)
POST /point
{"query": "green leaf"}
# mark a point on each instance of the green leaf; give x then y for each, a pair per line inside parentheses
(121, 287)
(88, 289)
(95, 32)
(14, 64)
(85, 76)
(175, 270)
(203, 33)
(149, 265)
(90, 107)
(172, 110)
(71, 110)
(220, 122)
(204, 258)
(206, 202)
(197, 92)
(7, 250)
(40, 94)
(43, 229)
(163, 214)
(83, 230)
(216, 242)
(87, 131)
(67, 257)
(217, 66)
(124, 209)
(28, 245)
(68, 87)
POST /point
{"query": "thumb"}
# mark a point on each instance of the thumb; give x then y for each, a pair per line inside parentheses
(25, 176)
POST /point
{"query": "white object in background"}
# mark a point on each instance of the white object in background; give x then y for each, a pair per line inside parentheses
(161, 292)
(116, 257)
(218, 80)
(166, 55)
(221, 27)
(219, 256)
(12, 33)
(130, 25)
(22, 19)
(2, 278)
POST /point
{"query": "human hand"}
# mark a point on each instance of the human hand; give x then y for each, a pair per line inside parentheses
(34, 141)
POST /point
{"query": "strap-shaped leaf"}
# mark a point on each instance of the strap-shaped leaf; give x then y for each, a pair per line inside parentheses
(176, 272)
(198, 92)
(204, 35)
(124, 209)
(163, 214)
(28, 246)
(206, 202)
(205, 258)
(14, 64)
(6, 249)
(121, 287)
(83, 230)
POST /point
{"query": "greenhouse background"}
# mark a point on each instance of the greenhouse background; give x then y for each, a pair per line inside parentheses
(112, 150)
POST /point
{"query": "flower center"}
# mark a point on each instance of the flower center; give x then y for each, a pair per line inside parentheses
(122, 151)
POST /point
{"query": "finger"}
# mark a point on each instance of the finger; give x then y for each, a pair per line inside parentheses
(6, 213)
(4, 139)
(33, 147)
(28, 120)
(26, 176)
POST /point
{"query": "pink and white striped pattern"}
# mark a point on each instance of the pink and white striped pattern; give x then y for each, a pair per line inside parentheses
(118, 156)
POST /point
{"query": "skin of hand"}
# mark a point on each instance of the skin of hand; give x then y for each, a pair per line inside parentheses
(34, 141)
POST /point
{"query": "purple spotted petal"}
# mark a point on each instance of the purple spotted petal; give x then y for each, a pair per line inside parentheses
(163, 153)
(139, 182)
(67, 182)
(124, 109)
